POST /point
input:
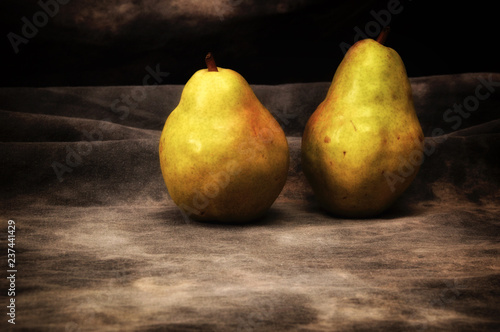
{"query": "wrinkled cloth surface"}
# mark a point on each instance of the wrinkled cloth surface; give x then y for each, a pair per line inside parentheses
(100, 245)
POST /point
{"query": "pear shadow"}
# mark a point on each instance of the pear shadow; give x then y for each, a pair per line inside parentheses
(174, 216)
(278, 215)
(402, 208)
(272, 217)
(322, 215)
(269, 218)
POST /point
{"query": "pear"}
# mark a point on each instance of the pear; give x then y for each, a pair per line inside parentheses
(363, 146)
(223, 155)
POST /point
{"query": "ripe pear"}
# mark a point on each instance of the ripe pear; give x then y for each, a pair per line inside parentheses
(223, 156)
(362, 147)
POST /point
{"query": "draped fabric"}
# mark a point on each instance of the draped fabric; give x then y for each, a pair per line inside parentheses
(100, 246)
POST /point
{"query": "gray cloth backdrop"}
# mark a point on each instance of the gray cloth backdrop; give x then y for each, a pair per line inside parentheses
(100, 246)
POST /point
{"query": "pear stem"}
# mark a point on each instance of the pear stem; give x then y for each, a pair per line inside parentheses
(383, 35)
(209, 60)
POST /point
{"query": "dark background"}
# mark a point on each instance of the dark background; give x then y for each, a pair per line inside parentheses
(92, 42)
(104, 248)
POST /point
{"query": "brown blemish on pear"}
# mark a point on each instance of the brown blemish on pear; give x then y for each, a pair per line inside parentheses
(355, 129)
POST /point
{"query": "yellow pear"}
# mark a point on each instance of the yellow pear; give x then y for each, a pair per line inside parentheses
(223, 156)
(362, 147)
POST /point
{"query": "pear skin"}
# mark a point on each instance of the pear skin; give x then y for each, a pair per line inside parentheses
(223, 156)
(363, 146)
